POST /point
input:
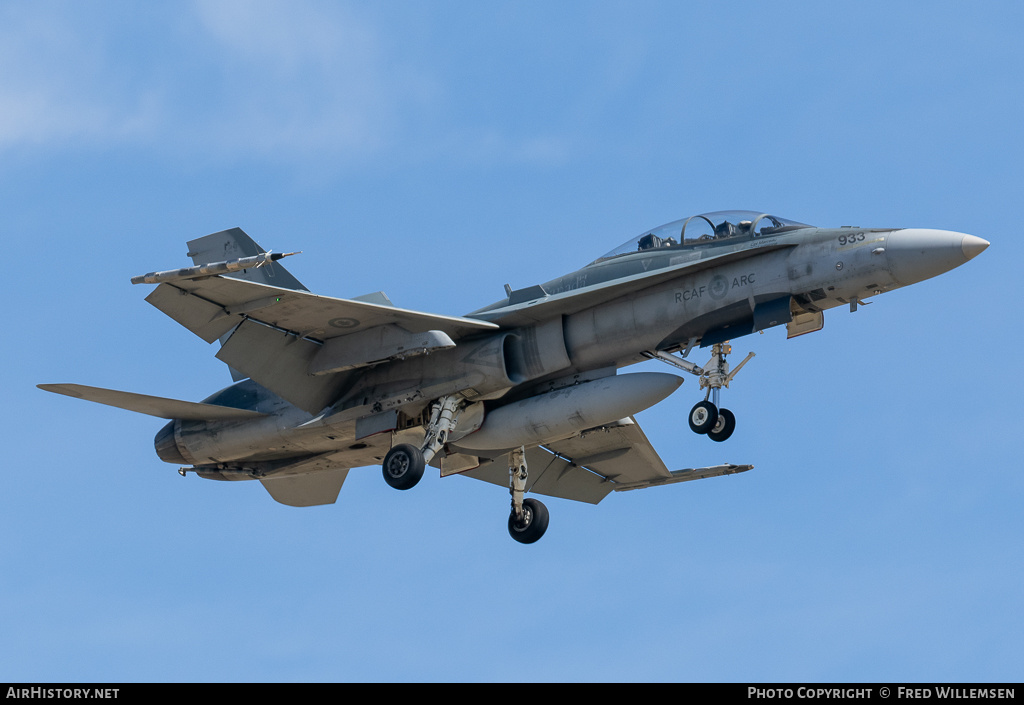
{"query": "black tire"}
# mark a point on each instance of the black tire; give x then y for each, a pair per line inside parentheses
(703, 417)
(403, 466)
(724, 427)
(534, 524)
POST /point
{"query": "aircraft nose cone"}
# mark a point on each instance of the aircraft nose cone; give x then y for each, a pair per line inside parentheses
(916, 254)
(973, 246)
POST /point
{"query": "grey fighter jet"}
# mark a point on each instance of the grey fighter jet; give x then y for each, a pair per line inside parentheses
(524, 393)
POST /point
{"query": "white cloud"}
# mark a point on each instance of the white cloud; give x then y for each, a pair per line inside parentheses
(266, 79)
(310, 83)
(287, 38)
(55, 85)
(299, 77)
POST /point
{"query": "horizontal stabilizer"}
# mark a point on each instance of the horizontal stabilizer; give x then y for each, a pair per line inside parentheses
(161, 407)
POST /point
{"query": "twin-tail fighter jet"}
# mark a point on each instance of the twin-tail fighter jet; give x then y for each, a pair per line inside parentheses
(524, 393)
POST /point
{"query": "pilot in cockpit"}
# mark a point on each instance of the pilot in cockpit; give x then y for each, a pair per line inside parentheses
(651, 241)
(648, 242)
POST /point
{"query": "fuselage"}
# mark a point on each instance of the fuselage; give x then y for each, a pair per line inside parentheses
(699, 281)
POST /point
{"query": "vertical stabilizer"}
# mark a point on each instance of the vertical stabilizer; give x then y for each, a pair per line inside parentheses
(235, 244)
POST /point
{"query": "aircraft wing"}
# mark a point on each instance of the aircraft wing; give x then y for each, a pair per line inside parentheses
(213, 306)
(587, 467)
(282, 338)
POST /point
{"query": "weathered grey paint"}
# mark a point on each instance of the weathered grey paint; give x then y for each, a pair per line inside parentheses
(332, 377)
(757, 285)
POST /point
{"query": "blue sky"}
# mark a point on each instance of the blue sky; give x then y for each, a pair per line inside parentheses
(437, 150)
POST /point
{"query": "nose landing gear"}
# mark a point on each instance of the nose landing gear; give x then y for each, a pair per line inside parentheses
(706, 417)
(703, 417)
(724, 427)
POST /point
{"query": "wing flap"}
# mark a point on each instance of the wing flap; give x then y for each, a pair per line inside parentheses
(276, 334)
(204, 318)
(280, 362)
(549, 475)
(620, 452)
(587, 467)
(560, 477)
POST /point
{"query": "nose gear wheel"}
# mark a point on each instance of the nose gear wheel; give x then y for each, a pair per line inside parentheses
(703, 417)
(723, 427)
(706, 417)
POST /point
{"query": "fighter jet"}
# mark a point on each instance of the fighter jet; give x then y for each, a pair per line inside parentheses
(524, 393)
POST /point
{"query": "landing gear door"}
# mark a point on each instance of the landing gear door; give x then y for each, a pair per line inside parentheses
(803, 323)
(773, 313)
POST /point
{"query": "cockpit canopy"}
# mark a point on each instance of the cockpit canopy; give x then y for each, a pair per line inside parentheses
(707, 229)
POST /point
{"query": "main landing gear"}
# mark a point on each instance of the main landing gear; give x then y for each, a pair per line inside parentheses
(404, 465)
(706, 417)
(529, 518)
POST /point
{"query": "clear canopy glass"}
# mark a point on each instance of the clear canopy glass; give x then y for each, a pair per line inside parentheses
(707, 229)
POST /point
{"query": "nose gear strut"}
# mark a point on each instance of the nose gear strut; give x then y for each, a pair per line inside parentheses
(706, 417)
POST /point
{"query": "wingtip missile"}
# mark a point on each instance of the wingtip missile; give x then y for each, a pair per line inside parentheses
(213, 269)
